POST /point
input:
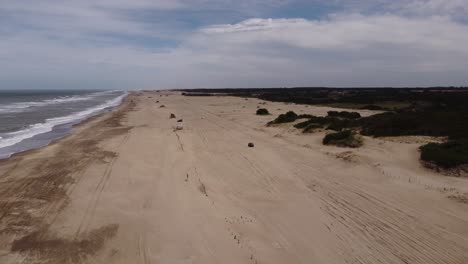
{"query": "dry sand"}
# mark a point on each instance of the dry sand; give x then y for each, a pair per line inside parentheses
(127, 188)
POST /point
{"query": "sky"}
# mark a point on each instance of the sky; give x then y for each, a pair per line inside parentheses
(159, 44)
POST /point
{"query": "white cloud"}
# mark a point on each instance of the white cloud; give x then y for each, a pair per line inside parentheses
(348, 32)
(63, 45)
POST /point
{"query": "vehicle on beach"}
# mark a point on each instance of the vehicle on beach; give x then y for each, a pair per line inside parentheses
(180, 124)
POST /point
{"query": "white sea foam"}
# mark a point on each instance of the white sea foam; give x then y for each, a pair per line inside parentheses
(13, 138)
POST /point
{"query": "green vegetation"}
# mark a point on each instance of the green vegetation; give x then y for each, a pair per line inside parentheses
(372, 107)
(305, 116)
(262, 111)
(316, 119)
(331, 123)
(390, 99)
(284, 118)
(304, 124)
(346, 138)
(336, 136)
(447, 155)
(311, 127)
(427, 122)
(313, 123)
(340, 124)
(344, 114)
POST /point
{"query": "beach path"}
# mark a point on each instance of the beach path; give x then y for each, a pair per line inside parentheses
(129, 188)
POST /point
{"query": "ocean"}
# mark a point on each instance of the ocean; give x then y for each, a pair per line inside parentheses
(32, 119)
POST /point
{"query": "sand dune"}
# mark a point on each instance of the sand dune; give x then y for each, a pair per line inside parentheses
(127, 188)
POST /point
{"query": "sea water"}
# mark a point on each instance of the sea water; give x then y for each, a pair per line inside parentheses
(32, 119)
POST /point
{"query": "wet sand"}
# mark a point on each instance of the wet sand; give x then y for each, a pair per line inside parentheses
(127, 188)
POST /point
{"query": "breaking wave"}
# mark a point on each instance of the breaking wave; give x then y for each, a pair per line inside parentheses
(13, 138)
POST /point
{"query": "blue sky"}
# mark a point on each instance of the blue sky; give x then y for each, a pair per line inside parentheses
(131, 44)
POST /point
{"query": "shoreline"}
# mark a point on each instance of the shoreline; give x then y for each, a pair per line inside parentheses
(32, 183)
(124, 187)
(69, 130)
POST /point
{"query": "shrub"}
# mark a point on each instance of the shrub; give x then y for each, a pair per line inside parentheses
(332, 123)
(311, 127)
(345, 138)
(305, 116)
(344, 114)
(340, 124)
(336, 136)
(429, 122)
(446, 155)
(262, 111)
(304, 124)
(285, 118)
(372, 107)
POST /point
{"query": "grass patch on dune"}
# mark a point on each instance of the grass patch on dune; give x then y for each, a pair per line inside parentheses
(330, 123)
(289, 117)
(344, 114)
(304, 124)
(346, 138)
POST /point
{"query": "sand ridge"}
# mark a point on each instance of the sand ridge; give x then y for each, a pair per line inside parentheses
(128, 188)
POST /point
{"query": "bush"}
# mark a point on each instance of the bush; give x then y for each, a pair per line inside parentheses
(336, 136)
(305, 116)
(344, 114)
(427, 122)
(332, 123)
(446, 155)
(340, 124)
(372, 107)
(284, 118)
(262, 111)
(311, 127)
(304, 124)
(345, 138)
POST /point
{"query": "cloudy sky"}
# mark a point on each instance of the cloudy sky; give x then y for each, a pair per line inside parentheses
(132, 44)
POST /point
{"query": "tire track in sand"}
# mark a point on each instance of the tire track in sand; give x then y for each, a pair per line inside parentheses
(96, 196)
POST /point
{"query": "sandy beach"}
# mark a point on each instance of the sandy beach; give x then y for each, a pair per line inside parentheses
(126, 187)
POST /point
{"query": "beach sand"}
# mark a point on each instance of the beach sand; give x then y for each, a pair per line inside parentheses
(126, 187)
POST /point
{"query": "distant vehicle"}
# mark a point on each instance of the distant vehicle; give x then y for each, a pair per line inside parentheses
(180, 124)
